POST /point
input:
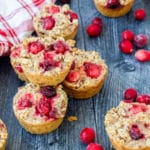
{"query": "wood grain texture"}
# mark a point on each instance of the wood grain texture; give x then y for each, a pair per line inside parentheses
(124, 72)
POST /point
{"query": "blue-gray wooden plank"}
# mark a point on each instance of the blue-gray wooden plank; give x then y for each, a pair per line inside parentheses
(124, 72)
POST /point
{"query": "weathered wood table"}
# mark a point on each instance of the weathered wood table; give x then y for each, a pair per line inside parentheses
(124, 72)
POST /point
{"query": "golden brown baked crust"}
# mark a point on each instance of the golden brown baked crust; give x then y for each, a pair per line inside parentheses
(86, 87)
(118, 123)
(3, 135)
(117, 12)
(63, 26)
(34, 122)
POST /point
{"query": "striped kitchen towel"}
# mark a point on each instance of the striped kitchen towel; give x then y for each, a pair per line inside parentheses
(16, 21)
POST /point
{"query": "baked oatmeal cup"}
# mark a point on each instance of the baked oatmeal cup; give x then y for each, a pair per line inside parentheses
(128, 126)
(42, 61)
(113, 8)
(87, 74)
(40, 110)
(3, 135)
(56, 21)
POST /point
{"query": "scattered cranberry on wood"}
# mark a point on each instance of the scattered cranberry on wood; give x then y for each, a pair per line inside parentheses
(127, 35)
(126, 47)
(140, 14)
(142, 55)
(87, 135)
(94, 146)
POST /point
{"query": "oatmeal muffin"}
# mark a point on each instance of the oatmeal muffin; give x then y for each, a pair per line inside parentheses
(42, 61)
(40, 110)
(56, 21)
(3, 135)
(128, 126)
(113, 8)
(87, 74)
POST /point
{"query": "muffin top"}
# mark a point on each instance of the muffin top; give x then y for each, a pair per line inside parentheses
(55, 21)
(36, 104)
(87, 69)
(114, 3)
(42, 55)
(129, 123)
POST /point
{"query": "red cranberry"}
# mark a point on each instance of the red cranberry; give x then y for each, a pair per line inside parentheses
(48, 23)
(19, 68)
(127, 35)
(92, 70)
(25, 101)
(135, 132)
(142, 55)
(140, 14)
(94, 146)
(43, 108)
(60, 47)
(140, 40)
(71, 15)
(135, 109)
(97, 21)
(94, 30)
(130, 94)
(35, 47)
(48, 91)
(143, 98)
(54, 9)
(73, 65)
(46, 65)
(16, 52)
(73, 76)
(126, 47)
(112, 4)
(87, 135)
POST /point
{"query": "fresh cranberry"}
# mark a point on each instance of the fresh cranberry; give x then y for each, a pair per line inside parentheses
(19, 68)
(140, 40)
(16, 52)
(94, 30)
(43, 108)
(130, 94)
(146, 125)
(112, 4)
(135, 109)
(54, 9)
(94, 146)
(127, 35)
(135, 132)
(60, 47)
(71, 15)
(73, 76)
(92, 70)
(48, 91)
(35, 47)
(87, 135)
(140, 14)
(126, 47)
(142, 55)
(48, 23)
(143, 98)
(25, 101)
(65, 1)
(97, 21)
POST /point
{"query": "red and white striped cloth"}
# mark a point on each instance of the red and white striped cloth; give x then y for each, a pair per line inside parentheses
(16, 21)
